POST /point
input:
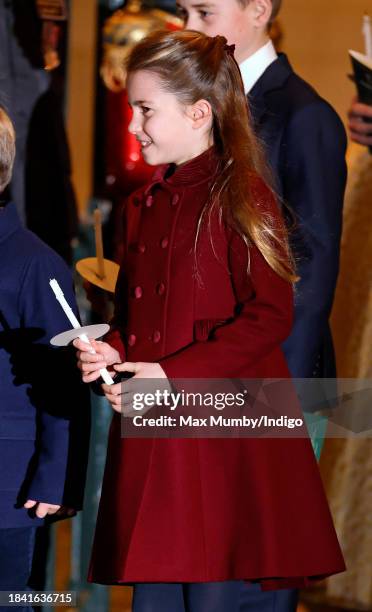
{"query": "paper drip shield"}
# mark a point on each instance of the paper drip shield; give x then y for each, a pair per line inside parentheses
(92, 331)
(88, 269)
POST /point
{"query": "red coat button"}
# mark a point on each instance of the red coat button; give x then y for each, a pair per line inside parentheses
(137, 293)
(149, 201)
(156, 337)
(160, 289)
(164, 243)
(141, 247)
(132, 340)
(175, 199)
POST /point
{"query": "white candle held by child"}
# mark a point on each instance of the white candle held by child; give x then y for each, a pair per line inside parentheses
(75, 324)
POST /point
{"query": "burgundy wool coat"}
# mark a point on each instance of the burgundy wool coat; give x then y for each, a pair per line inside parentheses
(204, 510)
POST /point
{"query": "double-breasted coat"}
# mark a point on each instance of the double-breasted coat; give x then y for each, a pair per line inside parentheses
(204, 510)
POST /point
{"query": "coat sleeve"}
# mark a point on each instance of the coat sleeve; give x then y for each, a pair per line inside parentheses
(59, 397)
(314, 181)
(262, 321)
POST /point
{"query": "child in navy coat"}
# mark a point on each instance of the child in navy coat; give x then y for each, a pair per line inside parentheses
(39, 423)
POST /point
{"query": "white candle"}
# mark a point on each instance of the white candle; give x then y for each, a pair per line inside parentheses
(75, 324)
(62, 300)
(367, 33)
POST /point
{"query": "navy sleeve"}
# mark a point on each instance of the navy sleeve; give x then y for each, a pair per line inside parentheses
(313, 186)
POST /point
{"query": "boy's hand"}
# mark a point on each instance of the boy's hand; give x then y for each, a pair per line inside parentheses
(41, 509)
(360, 130)
(91, 364)
(121, 395)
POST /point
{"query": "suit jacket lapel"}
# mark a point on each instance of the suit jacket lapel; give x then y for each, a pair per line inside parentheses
(274, 77)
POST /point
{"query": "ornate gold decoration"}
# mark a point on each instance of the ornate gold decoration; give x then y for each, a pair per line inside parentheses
(122, 31)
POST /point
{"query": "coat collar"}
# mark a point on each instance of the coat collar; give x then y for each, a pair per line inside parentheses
(255, 65)
(198, 170)
(274, 77)
(9, 221)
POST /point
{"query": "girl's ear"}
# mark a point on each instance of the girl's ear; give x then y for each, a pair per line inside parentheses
(200, 113)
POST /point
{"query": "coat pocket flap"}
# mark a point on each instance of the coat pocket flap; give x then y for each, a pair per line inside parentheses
(203, 328)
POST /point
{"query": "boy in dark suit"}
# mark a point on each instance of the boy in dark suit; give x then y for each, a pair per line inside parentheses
(305, 143)
(43, 420)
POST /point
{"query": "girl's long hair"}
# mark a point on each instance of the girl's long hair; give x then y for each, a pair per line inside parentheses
(194, 67)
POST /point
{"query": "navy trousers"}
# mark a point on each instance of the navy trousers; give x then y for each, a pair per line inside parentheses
(16, 553)
(252, 599)
(229, 596)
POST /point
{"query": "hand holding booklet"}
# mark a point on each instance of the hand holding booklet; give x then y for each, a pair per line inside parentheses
(362, 67)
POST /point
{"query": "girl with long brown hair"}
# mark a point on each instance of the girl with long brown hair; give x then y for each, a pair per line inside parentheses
(205, 291)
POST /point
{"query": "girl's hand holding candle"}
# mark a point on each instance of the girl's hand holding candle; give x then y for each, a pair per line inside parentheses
(121, 397)
(91, 364)
(76, 325)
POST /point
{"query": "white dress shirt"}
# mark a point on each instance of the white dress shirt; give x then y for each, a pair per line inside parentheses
(254, 67)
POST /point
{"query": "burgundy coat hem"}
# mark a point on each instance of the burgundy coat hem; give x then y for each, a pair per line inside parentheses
(267, 583)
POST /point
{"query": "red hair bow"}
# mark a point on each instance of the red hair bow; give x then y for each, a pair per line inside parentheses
(230, 49)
